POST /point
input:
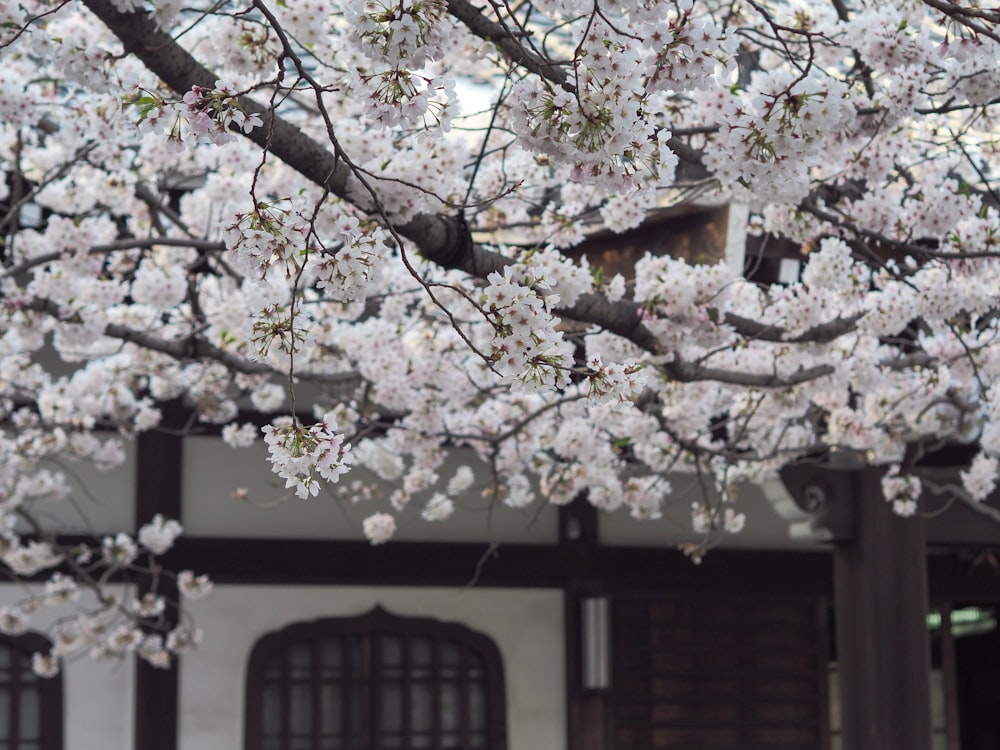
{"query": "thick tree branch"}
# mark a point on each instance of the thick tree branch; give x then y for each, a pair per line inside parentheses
(960, 493)
(964, 16)
(117, 245)
(491, 31)
(439, 238)
(687, 372)
(823, 333)
(442, 239)
(191, 348)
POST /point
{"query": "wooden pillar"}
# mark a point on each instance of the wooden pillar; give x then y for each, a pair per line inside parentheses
(883, 645)
(880, 601)
(587, 714)
(158, 490)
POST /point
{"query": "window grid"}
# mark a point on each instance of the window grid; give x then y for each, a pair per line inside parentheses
(30, 707)
(375, 682)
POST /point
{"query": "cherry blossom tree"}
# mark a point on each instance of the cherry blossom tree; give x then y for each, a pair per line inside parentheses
(361, 218)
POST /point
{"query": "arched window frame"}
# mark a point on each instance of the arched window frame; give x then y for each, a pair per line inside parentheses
(50, 695)
(377, 622)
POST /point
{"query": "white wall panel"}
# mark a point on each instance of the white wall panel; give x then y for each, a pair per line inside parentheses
(526, 625)
(213, 471)
(101, 501)
(765, 527)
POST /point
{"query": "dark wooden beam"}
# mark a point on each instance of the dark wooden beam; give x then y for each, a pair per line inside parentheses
(959, 574)
(969, 574)
(291, 561)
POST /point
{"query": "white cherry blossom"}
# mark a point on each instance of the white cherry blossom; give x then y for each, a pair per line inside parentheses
(440, 228)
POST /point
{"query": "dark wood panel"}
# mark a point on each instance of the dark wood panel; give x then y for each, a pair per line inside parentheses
(701, 674)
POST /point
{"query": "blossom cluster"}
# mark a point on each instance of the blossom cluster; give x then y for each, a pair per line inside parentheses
(902, 491)
(613, 382)
(407, 33)
(602, 128)
(303, 455)
(705, 519)
(202, 116)
(399, 39)
(772, 137)
(101, 621)
(379, 528)
(689, 52)
(349, 272)
(268, 237)
(526, 348)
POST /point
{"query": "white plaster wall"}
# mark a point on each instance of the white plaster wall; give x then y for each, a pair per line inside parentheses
(213, 470)
(526, 625)
(101, 501)
(97, 696)
(765, 527)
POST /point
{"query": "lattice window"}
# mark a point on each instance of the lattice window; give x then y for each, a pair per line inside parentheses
(30, 706)
(375, 682)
